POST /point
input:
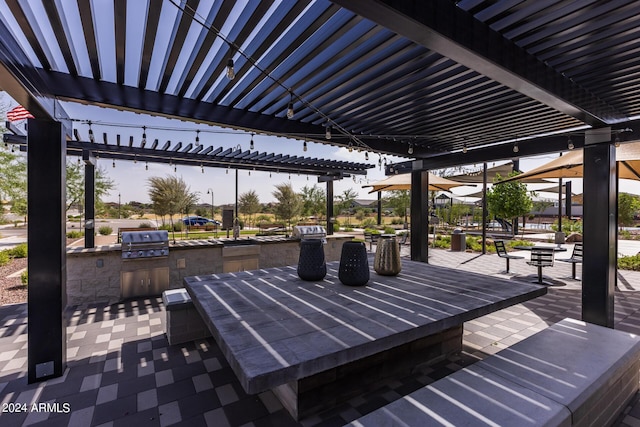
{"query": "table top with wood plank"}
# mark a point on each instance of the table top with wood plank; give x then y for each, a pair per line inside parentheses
(275, 328)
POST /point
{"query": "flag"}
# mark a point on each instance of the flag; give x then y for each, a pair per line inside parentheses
(18, 113)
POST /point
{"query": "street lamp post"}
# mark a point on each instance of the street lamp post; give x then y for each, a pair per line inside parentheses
(210, 191)
(215, 227)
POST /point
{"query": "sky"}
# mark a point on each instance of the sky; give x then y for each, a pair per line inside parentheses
(131, 179)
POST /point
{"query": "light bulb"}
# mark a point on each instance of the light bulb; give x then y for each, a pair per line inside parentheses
(304, 146)
(113, 164)
(251, 143)
(350, 147)
(570, 145)
(516, 148)
(231, 73)
(202, 168)
(366, 155)
(327, 134)
(617, 143)
(146, 166)
(227, 171)
(464, 149)
(410, 150)
(290, 112)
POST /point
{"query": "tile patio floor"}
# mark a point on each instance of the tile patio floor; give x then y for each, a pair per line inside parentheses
(122, 372)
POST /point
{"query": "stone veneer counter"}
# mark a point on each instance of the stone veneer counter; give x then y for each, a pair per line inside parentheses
(94, 275)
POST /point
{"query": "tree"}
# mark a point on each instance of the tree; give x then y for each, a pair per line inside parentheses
(509, 200)
(628, 206)
(289, 203)
(75, 186)
(314, 201)
(170, 196)
(399, 201)
(13, 177)
(345, 201)
(249, 204)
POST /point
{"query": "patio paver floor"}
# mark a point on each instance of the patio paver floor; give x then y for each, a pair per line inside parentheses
(122, 372)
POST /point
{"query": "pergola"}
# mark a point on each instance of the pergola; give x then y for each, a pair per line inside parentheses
(441, 82)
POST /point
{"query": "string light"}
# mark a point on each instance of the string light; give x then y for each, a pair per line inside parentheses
(410, 150)
(570, 145)
(515, 147)
(617, 142)
(327, 134)
(146, 165)
(202, 167)
(227, 171)
(231, 72)
(144, 136)
(135, 158)
(304, 146)
(464, 148)
(91, 137)
(198, 137)
(290, 112)
(251, 143)
(113, 164)
(78, 161)
(350, 147)
(366, 155)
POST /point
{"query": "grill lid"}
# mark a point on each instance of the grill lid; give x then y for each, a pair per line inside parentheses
(144, 237)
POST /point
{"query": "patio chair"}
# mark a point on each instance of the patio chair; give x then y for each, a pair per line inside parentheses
(576, 258)
(502, 252)
(541, 257)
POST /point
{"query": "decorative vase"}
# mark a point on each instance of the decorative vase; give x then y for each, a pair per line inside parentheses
(387, 260)
(311, 263)
(354, 264)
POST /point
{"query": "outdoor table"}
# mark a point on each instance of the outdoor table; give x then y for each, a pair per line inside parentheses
(316, 344)
(528, 248)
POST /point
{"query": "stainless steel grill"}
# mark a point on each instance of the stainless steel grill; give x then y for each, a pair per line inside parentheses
(145, 244)
(306, 232)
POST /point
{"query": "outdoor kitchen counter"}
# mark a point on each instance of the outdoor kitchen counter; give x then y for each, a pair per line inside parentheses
(316, 344)
(94, 275)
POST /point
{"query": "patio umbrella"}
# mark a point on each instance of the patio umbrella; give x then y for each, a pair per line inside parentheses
(403, 182)
(570, 165)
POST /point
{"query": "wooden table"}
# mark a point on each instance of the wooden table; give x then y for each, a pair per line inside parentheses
(316, 344)
(528, 248)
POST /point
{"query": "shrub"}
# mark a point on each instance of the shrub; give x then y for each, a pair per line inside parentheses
(145, 225)
(4, 257)
(24, 277)
(19, 251)
(442, 242)
(165, 227)
(629, 263)
(369, 222)
(389, 230)
(74, 234)
(105, 230)
(177, 226)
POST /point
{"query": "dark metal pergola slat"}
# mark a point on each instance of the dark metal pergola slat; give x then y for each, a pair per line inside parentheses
(207, 158)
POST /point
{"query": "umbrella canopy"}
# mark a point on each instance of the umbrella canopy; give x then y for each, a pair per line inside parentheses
(403, 182)
(570, 165)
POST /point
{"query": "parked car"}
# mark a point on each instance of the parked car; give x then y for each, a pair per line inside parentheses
(200, 220)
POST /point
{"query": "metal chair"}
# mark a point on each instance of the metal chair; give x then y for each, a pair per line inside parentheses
(576, 258)
(541, 257)
(502, 252)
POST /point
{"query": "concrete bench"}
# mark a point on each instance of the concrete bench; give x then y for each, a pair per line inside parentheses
(572, 373)
(183, 322)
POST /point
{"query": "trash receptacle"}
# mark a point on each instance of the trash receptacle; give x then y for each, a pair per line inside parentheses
(458, 241)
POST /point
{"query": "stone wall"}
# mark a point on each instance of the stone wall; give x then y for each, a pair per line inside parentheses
(95, 275)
